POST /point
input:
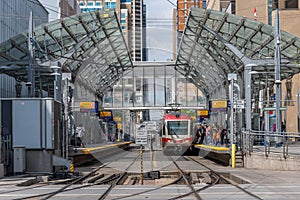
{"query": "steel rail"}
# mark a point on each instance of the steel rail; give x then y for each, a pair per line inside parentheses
(227, 180)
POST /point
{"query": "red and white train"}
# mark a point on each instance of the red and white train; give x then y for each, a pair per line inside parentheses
(177, 133)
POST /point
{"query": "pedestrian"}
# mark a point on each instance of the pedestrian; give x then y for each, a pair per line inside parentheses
(197, 135)
(203, 134)
(223, 135)
(216, 135)
(208, 134)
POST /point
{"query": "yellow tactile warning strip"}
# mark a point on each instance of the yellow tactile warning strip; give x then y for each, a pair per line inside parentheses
(88, 150)
(212, 147)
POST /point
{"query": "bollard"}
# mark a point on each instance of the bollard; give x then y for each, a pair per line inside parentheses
(233, 155)
(72, 168)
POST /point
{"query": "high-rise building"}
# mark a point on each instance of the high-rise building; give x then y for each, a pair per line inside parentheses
(182, 13)
(14, 19)
(14, 16)
(183, 7)
(132, 16)
(60, 8)
(137, 29)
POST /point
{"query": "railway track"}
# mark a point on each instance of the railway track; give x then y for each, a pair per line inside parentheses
(179, 176)
(227, 180)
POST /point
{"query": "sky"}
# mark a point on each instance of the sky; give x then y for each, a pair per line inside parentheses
(159, 29)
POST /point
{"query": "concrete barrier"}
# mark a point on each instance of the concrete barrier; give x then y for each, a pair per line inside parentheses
(272, 162)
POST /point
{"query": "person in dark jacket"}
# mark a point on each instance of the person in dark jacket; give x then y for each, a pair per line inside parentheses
(223, 135)
(197, 135)
(203, 133)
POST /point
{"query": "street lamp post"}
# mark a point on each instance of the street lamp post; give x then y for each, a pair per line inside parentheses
(247, 84)
(56, 74)
(232, 78)
(277, 72)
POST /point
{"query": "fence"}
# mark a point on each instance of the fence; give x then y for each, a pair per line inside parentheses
(271, 143)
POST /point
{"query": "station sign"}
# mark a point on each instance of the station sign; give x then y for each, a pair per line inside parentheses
(202, 113)
(106, 115)
(218, 105)
(89, 106)
(141, 137)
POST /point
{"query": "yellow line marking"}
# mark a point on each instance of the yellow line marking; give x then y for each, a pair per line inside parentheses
(88, 150)
(212, 147)
(154, 160)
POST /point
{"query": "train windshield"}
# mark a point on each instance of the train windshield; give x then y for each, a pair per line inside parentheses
(177, 127)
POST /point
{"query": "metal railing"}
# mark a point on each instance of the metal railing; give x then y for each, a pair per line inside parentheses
(271, 143)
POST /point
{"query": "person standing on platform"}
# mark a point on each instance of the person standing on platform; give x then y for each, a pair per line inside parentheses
(203, 134)
(223, 135)
(197, 135)
(216, 135)
(208, 134)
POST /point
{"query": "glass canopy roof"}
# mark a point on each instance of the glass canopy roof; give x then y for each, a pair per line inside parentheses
(90, 45)
(217, 43)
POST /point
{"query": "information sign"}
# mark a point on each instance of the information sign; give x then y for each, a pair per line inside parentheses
(239, 104)
(141, 137)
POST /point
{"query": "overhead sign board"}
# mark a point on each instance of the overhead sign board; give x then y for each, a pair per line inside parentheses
(218, 105)
(88, 106)
(202, 113)
(106, 115)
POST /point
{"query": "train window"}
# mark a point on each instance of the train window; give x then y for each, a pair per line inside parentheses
(177, 127)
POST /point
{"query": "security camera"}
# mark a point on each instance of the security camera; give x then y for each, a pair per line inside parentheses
(28, 84)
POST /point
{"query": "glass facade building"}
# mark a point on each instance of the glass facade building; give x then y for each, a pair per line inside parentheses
(132, 16)
(14, 18)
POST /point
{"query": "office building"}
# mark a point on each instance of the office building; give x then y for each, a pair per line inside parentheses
(14, 19)
(180, 16)
(132, 16)
(58, 9)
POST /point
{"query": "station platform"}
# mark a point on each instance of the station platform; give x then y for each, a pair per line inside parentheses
(88, 154)
(217, 153)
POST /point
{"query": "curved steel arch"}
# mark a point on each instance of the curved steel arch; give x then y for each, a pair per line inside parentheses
(87, 45)
(232, 42)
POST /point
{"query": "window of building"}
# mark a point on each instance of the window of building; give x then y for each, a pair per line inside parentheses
(98, 3)
(81, 3)
(90, 3)
(123, 21)
(123, 27)
(113, 5)
(123, 15)
(224, 6)
(204, 4)
(125, 1)
(291, 3)
(107, 4)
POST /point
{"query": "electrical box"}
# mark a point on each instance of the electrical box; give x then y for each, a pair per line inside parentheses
(19, 160)
(32, 121)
